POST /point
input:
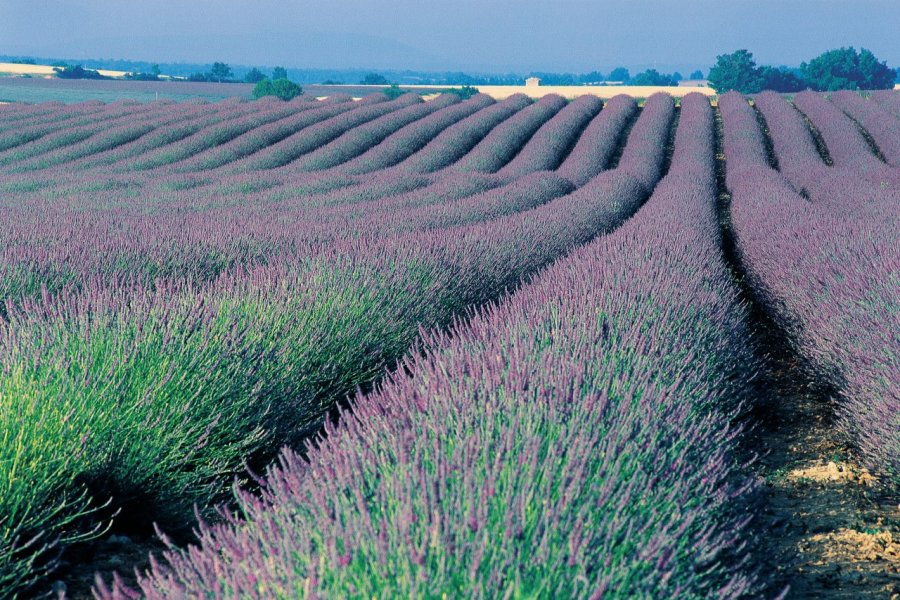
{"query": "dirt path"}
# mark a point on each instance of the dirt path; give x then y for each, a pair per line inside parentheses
(829, 528)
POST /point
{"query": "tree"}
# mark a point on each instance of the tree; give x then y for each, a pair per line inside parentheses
(279, 73)
(77, 72)
(781, 79)
(619, 74)
(652, 77)
(736, 71)
(374, 79)
(220, 72)
(592, 77)
(393, 92)
(465, 92)
(281, 88)
(254, 75)
(847, 69)
(676, 77)
(698, 74)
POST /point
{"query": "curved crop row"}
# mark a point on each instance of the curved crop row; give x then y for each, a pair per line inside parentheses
(504, 141)
(828, 271)
(454, 142)
(525, 193)
(260, 138)
(793, 144)
(799, 160)
(889, 99)
(846, 145)
(161, 392)
(186, 120)
(878, 122)
(358, 140)
(414, 136)
(308, 140)
(573, 441)
(22, 132)
(645, 154)
(599, 141)
(110, 138)
(215, 135)
(55, 112)
(445, 189)
(15, 113)
(63, 135)
(549, 145)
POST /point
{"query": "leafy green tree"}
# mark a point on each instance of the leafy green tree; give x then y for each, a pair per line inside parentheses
(77, 72)
(220, 72)
(465, 92)
(393, 92)
(781, 80)
(736, 71)
(847, 69)
(652, 77)
(279, 73)
(281, 88)
(698, 74)
(374, 79)
(592, 77)
(619, 74)
(254, 75)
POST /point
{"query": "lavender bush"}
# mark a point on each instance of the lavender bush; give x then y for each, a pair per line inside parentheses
(552, 142)
(574, 440)
(414, 136)
(828, 271)
(505, 140)
(454, 142)
(162, 329)
(596, 146)
(883, 126)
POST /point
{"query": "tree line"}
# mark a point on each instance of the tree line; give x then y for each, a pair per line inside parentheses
(840, 69)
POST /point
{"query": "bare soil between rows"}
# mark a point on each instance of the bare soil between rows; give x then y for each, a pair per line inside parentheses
(830, 529)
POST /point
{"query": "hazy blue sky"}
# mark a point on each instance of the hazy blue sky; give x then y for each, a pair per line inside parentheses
(522, 35)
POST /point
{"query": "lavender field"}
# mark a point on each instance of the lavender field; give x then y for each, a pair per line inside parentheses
(447, 348)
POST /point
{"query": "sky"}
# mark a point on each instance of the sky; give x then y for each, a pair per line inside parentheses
(467, 35)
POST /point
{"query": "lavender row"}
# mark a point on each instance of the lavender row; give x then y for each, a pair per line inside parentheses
(445, 209)
(889, 99)
(505, 140)
(573, 441)
(185, 120)
(259, 138)
(414, 136)
(550, 144)
(61, 135)
(645, 154)
(828, 271)
(881, 125)
(52, 112)
(360, 139)
(308, 140)
(454, 142)
(158, 393)
(23, 131)
(798, 158)
(596, 146)
(214, 136)
(846, 145)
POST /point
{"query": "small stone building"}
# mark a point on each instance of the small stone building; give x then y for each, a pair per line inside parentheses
(533, 82)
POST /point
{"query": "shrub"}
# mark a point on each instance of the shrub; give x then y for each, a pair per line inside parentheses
(280, 88)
